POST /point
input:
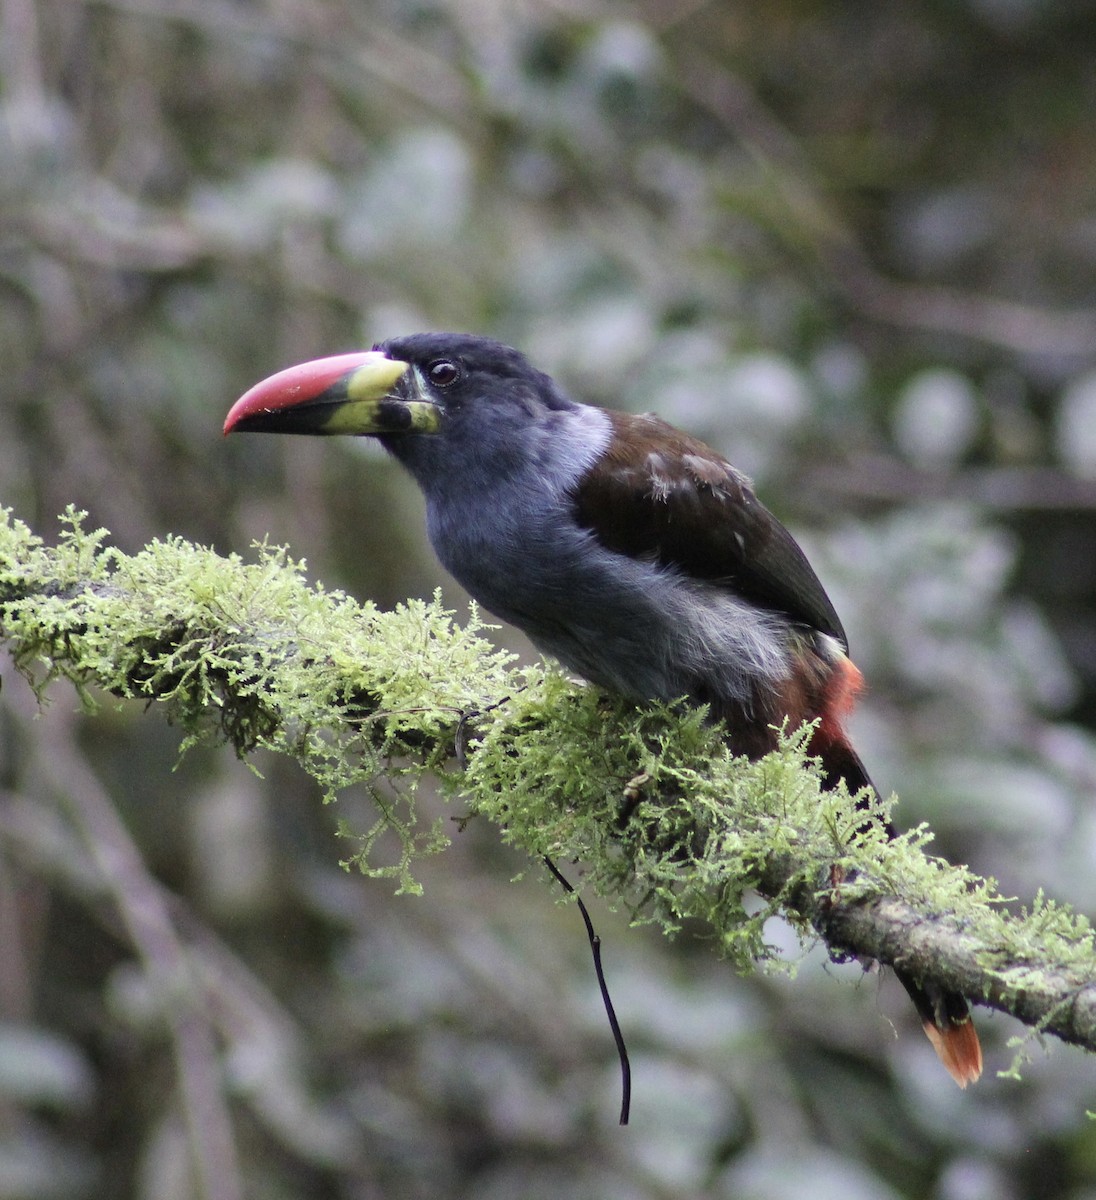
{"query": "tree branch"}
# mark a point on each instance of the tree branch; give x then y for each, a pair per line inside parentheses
(809, 220)
(662, 819)
(214, 1165)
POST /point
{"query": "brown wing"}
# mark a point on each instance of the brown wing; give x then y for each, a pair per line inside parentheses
(663, 496)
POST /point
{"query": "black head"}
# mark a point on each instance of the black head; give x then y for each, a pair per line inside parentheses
(458, 371)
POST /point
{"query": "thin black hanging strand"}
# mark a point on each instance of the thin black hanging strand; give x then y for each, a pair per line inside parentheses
(610, 1012)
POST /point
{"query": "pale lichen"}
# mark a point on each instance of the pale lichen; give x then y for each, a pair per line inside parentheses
(660, 816)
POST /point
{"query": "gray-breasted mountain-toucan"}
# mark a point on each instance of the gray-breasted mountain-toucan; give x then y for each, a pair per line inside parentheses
(630, 551)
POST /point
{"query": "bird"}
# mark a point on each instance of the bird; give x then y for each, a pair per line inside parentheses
(625, 548)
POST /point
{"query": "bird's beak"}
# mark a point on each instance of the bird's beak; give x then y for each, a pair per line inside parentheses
(350, 394)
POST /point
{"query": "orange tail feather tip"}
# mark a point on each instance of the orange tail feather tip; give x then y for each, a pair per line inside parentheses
(959, 1049)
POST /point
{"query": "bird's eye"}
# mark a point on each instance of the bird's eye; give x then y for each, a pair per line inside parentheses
(443, 372)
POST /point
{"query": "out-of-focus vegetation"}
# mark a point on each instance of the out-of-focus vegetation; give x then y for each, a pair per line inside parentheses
(854, 246)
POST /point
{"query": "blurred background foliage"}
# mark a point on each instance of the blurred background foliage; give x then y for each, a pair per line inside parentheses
(853, 245)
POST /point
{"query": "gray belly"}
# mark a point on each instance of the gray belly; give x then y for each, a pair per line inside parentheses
(628, 626)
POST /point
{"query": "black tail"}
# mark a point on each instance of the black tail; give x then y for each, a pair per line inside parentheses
(945, 1016)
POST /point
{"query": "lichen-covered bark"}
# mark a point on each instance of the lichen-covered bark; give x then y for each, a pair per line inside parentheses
(662, 819)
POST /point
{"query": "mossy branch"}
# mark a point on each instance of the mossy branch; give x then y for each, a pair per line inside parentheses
(662, 819)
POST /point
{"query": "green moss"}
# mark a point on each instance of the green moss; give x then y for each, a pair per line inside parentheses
(660, 816)
(251, 654)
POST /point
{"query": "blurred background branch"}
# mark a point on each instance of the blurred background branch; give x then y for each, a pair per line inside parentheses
(150, 930)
